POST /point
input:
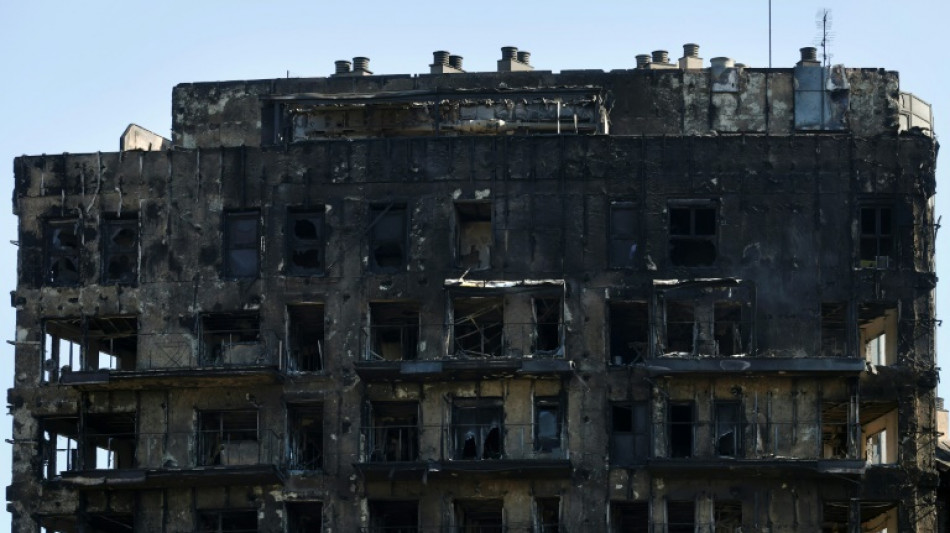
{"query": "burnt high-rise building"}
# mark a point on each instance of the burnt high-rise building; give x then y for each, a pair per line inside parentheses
(682, 297)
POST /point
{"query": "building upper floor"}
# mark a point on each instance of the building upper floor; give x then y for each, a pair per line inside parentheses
(656, 97)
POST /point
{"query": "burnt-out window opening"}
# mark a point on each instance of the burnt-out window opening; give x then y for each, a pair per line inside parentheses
(305, 336)
(629, 433)
(879, 429)
(109, 441)
(629, 332)
(304, 517)
(394, 433)
(120, 255)
(727, 515)
(388, 238)
(63, 241)
(228, 438)
(305, 429)
(877, 237)
(547, 327)
(90, 343)
(877, 323)
(227, 521)
(630, 517)
(389, 516)
(680, 326)
(59, 446)
(839, 429)
(110, 522)
(479, 516)
(478, 326)
(57, 523)
(692, 235)
(230, 339)
(394, 331)
(622, 246)
(729, 329)
(478, 428)
(474, 238)
(878, 517)
(834, 517)
(876, 448)
(242, 244)
(548, 515)
(681, 423)
(305, 242)
(834, 329)
(547, 425)
(680, 516)
(729, 429)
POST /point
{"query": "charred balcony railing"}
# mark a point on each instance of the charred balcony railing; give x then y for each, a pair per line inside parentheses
(470, 341)
(759, 440)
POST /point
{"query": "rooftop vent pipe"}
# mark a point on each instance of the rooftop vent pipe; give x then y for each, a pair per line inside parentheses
(524, 57)
(342, 66)
(440, 57)
(691, 59)
(445, 63)
(809, 57)
(661, 56)
(643, 60)
(514, 61)
(509, 52)
(455, 62)
(360, 64)
(690, 50)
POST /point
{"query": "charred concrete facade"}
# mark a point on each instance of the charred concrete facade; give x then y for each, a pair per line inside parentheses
(672, 298)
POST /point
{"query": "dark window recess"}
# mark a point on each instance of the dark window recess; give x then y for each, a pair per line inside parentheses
(479, 516)
(877, 237)
(394, 434)
(729, 330)
(547, 425)
(478, 327)
(839, 434)
(549, 515)
(394, 331)
(680, 516)
(388, 238)
(477, 429)
(305, 243)
(110, 522)
(63, 242)
(474, 241)
(681, 421)
(59, 446)
(228, 438)
(231, 339)
(630, 517)
(692, 236)
(547, 323)
(834, 516)
(120, 251)
(680, 326)
(90, 343)
(622, 245)
(393, 516)
(834, 329)
(729, 429)
(242, 244)
(629, 332)
(304, 517)
(728, 516)
(305, 428)
(244, 521)
(108, 441)
(629, 433)
(305, 336)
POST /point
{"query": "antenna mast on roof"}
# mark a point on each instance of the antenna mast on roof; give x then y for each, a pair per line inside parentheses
(823, 22)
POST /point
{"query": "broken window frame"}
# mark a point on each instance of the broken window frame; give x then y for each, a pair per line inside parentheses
(630, 517)
(397, 242)
(305, 447)
(727, 516)
(683, 430)
(730, 428)
(220, 429)
(297, 245)
(393, 329)
(112, 251)
(547, 339)
(393, 516)
(480, 516)
(834, 329)
(472, 335)
(219, 345)
(877, 332)
(239, 248)
(225, 520)
(108, 441)
(680, 516)
(693, 233)
(58, 253)
(118, 346)
(478, 429)
(877, 245)
(622, 234)
(59, 446)
(305, 336)
(473, 216)
(547, 513)
(630, 434)
(393, 433)
(628, 339)
(304, 516)
(691, 321)
(548, 411)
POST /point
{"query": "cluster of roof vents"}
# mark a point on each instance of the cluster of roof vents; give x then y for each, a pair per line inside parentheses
(513, 60)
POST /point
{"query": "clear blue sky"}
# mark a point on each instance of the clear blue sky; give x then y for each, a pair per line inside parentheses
(75, 74)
